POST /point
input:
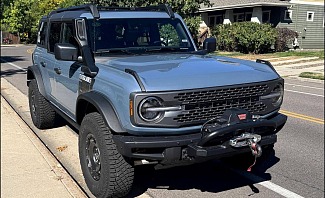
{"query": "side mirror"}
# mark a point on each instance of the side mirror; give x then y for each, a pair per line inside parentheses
(66, 52)
(210, 44)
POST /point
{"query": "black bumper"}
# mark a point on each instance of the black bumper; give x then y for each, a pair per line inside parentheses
(169, 149)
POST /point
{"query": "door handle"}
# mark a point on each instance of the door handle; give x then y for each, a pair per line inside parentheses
(57, 70)
(43, 64)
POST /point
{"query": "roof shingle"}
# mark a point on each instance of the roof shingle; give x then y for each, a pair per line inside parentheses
(222, 3)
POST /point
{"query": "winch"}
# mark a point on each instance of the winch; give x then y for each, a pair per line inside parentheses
(236, 124)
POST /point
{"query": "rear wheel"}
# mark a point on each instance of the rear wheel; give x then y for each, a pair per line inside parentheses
(106, 172)
(43, 116)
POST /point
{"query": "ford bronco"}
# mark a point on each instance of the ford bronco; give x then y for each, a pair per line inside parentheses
(139, 91)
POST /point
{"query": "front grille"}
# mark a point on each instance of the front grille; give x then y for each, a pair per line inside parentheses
(206, 104)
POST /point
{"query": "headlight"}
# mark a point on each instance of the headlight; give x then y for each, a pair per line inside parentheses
(278, 95)
(146, 111)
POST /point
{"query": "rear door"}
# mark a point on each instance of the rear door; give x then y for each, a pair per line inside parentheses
(41, 59)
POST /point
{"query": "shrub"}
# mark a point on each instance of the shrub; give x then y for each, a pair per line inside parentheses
(225, 38)
(246, 37)
(285, 36)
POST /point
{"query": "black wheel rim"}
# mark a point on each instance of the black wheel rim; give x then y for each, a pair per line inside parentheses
(33, 104)
(93, 157)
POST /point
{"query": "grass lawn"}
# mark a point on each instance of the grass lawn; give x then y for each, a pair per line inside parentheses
(312, 75)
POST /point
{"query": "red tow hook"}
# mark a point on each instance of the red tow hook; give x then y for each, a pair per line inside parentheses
(256, 151)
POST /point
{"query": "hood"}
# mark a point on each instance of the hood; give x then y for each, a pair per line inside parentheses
(184, 71)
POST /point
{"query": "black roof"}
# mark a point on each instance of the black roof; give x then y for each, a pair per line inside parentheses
(77, 11)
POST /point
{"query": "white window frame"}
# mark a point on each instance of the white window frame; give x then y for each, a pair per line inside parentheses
(285, 15)
(312, 16)
(267, 11)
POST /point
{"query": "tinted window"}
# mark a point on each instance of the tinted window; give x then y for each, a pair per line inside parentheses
(67, 34)
(42, 34)
(54, 35)
(108, 34)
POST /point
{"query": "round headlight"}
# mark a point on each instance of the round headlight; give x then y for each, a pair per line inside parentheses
(150, 116)
(278, 92)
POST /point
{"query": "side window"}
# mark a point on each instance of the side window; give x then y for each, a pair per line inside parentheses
(42, 34)
(54, 35)
(67, 34)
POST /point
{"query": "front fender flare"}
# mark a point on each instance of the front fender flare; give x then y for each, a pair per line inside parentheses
(103, 106)
(33, 72)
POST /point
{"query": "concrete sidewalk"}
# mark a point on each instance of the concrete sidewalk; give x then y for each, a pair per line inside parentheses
(28, 169)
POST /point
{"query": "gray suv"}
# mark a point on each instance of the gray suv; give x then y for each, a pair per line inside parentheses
(134, 84)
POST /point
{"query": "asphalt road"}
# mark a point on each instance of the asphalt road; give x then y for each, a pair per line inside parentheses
(296, 168)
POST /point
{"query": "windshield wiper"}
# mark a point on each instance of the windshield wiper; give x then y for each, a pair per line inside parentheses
(165, 49)
(115, 50)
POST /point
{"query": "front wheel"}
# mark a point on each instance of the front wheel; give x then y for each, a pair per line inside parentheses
(107, 173)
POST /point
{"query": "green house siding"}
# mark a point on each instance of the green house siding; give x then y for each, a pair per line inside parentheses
(311, 33)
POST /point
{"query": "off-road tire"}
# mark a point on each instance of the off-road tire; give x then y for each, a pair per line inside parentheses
(116, 174)
(43, 116)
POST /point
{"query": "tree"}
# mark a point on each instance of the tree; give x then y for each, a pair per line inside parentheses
(18, 18)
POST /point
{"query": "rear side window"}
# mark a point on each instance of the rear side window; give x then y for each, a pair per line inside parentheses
(42, 34)
(54, 35)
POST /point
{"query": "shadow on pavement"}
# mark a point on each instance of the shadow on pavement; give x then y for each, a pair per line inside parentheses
(11, 72)
(213, 176)
(11, 59)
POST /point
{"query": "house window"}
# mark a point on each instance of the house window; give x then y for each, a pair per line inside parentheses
(212, 21)
(215, 20)
(310, 16)
(287, 14)
(266, 16)
(248, 16)
(239, 17)
(219, 19)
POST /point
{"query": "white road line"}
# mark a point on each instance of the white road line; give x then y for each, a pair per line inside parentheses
(304, 93)
(267, 184)
(304, 86)
(14, 65)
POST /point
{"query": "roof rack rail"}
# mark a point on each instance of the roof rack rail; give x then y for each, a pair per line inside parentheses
(91, 7)
(94, 9)
(164, 7)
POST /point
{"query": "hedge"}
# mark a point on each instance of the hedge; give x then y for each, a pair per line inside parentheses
(245, 37)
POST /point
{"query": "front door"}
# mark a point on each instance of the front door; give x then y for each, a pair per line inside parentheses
(66, 74)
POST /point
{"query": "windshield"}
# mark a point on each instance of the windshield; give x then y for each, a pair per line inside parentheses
(143, 35)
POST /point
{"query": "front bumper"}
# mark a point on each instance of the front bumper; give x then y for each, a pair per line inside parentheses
(197, 146)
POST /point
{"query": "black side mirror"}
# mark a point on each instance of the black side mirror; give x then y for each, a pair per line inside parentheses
(210, 44)
(65, 51)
